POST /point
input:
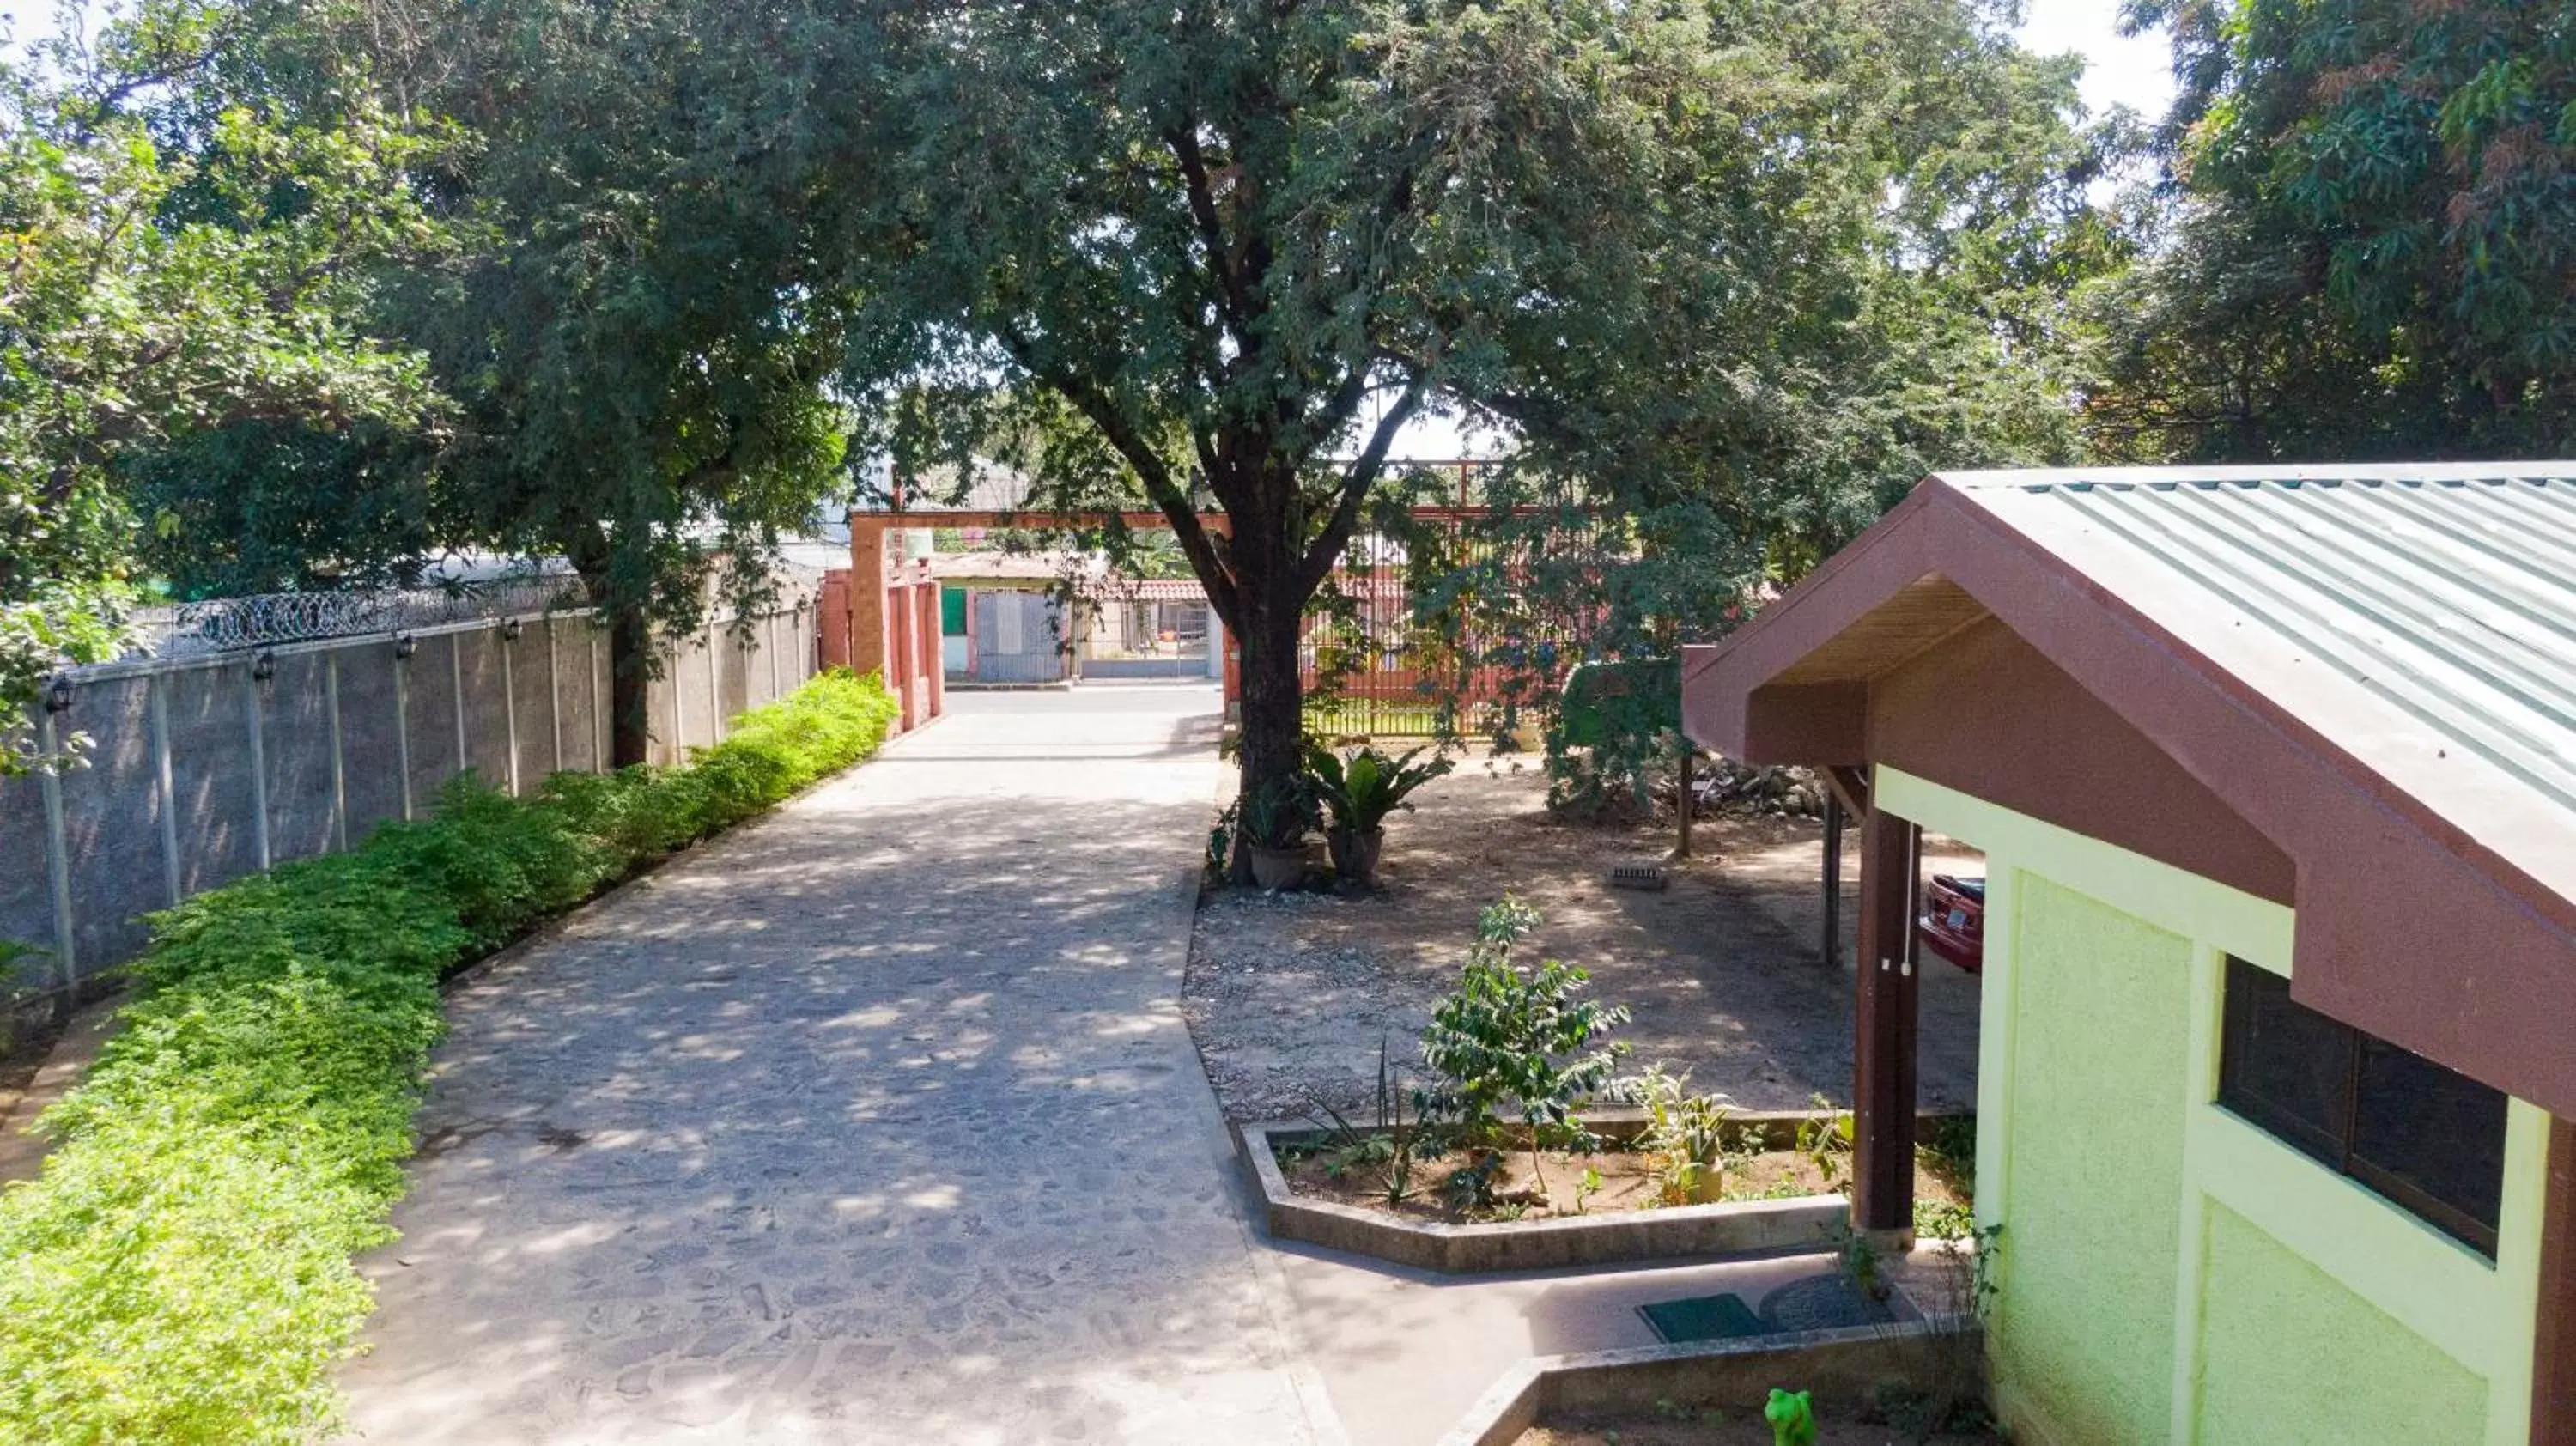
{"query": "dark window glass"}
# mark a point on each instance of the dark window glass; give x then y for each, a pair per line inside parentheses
(2285, 1066)
(2427, 1138)
(2420, 1128)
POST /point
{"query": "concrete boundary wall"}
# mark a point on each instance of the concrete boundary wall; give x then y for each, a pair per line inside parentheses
(203, 769)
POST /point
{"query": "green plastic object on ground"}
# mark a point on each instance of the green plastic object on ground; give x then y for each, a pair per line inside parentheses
(1792, 1418)
(1605, 700)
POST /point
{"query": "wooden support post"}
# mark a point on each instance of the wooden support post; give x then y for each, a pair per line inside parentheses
(1884, 989)
(2553, 1365)
(1681, 794)
(1832, 942)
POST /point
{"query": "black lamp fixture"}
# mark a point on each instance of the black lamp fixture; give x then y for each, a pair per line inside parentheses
(405, 645)
(263, 667)
(58, 693)
(511, 630)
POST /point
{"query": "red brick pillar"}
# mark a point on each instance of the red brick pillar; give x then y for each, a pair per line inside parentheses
(934, 687)
(867, 614)
(899, 654)
(832, 626)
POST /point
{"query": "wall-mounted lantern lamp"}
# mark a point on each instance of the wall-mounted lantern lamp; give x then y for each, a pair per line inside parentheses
(263, 667)
(405, 645)
(58, 693)
(511, 630)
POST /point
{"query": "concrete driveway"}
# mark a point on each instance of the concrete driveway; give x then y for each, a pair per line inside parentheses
(874, 1121)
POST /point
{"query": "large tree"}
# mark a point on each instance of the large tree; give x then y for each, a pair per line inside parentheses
(181, 258)
(2373, 251)
(609, 291)
(1217, 254)
(636, 329)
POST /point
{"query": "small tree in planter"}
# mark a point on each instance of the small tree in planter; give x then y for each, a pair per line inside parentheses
(1516, 1038)
(1359, 791)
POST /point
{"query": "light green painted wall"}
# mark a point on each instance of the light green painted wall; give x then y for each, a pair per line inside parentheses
(2170, 1273)
(2289, 1357)
(2102, 1033)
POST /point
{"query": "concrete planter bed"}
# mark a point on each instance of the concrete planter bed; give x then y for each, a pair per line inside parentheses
(1619, 1237)
(1688, 1385)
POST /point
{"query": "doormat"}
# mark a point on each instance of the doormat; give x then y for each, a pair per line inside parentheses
(1702, 1318)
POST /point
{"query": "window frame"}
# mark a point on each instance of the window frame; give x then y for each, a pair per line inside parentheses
(2335, 1147)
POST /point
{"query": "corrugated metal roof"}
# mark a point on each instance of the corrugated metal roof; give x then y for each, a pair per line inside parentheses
(2423, 618)
(1149, 589)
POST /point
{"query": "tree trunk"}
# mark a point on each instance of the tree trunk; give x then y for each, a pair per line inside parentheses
(1273, 703)
(630, 679)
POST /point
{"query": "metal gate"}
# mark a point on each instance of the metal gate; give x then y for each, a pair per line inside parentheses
(1019, 638)
(1376, 662)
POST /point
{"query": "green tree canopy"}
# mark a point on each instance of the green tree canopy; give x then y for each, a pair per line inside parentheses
(1700, 256)
(639, 327)
(178, 260)
(2375, 247)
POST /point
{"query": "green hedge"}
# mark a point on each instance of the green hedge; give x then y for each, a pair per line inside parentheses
(181, 1272)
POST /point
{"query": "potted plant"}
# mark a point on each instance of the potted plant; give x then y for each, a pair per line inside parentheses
(1686, 1133)
(1360, 790)
(1276, 820)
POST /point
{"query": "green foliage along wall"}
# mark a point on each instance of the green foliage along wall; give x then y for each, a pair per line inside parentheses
(181, 1271)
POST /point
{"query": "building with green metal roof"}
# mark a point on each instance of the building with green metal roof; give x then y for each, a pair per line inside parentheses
(2275, 774)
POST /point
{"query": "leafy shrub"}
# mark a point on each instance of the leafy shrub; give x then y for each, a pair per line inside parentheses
(1517, 1038)
(1281, 813)
(1686, 1134)
(501, 863)
(1360, 789)
(181, 1272)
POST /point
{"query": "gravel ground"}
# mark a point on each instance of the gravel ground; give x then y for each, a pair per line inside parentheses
(1290, 995)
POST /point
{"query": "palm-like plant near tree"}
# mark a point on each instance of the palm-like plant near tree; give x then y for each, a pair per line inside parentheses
(1359, 791)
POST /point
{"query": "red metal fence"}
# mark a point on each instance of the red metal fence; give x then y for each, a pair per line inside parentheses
(1416, 636)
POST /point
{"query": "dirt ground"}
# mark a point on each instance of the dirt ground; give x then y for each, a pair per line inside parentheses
(1290, 995)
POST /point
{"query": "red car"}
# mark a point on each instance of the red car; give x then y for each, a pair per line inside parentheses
(1954, 920)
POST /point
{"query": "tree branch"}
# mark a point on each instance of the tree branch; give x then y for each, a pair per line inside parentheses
(1168, 497)
(1363, 474)
(1211, 227)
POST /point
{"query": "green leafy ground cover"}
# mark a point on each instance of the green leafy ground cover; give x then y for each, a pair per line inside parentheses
(182, 1271)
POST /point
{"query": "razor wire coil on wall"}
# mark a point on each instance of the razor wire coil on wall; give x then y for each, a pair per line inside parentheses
(221, 625)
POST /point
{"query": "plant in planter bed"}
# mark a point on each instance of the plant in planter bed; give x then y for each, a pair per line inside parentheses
(1359, 790)
(1512, 1037)
(1276, 821)
(1686, 1133)
(1386, 1151)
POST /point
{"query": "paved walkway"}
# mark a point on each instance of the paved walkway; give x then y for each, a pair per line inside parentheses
(873, 1122)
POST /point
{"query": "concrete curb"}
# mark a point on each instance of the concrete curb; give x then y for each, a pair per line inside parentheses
(1749, 1227)
(1843, 1362)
